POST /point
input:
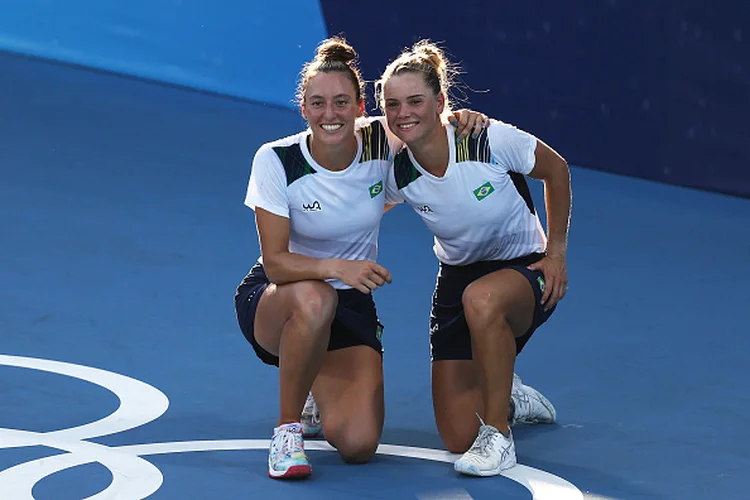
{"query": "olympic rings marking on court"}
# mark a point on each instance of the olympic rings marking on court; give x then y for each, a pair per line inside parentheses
(133, 477)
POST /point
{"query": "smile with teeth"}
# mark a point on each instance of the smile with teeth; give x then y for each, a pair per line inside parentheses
(407, 126)
(331, 128)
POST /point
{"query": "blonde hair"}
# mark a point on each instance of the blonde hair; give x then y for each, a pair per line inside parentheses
(427, 59)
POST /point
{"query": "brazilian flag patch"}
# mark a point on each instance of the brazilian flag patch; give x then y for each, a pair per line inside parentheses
(540, 280)
(379, 333)
(483, 191)
(376, 189)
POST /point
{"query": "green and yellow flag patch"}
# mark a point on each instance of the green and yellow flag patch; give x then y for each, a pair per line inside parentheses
(483, 191)
(376, 189)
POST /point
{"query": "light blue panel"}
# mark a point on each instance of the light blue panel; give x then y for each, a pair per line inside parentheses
(249, 49)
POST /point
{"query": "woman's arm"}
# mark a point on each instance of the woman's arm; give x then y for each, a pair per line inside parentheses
(553, 170)
(283, 266)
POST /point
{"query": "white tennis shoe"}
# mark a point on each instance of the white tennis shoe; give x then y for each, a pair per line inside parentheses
(491, 453)
(529, 406)
(311, 425)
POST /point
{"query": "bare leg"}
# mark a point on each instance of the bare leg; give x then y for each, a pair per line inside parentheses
(456, 399)
(499, 307)
(293, 321)
(349, 393)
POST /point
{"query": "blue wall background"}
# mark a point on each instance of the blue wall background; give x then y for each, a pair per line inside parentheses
(658, 89)
(230, 47)
(649, 88)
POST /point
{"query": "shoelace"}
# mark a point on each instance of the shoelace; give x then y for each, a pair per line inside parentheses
(312, 409)
(286, 442)
(315, 415)
(482, 442)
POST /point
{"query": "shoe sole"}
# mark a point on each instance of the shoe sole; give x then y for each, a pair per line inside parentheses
(547, 405)
(470, 470)
(551, 409)
(295, 471)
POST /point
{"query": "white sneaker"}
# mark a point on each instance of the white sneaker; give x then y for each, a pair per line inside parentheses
(491, 453)
(529, 406)
(311, 425)
(287, 457)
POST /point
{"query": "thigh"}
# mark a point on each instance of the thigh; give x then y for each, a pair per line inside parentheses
(349, 393)
(315, 300)
(456, 399)
(504, 294)
(540, 316)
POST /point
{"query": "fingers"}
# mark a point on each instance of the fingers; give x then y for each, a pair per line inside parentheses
(462, 123)
(371, 277)
(370, 284)
(555, 282)
(555, 290)
(549, 285)
(481, 121)
(469, 122)
(383, 273)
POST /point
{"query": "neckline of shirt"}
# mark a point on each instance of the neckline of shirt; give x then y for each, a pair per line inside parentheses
(450, 132)
(320, 168)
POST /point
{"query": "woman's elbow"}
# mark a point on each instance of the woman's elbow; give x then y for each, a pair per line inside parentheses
(273, 269)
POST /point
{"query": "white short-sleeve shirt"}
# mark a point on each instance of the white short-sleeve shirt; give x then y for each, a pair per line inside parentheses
(481, 209)
(332, 214)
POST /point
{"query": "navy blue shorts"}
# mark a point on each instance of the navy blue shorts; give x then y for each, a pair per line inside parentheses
(355, 323)
(449, 333)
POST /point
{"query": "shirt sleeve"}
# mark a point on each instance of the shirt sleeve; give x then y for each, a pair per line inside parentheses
(392, 194)
(512, 148)
(267, 186)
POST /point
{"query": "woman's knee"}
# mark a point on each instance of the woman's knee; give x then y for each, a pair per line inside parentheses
(458, 433)
(314, 302)
(458, 442)
(481, 303)
(355, 442)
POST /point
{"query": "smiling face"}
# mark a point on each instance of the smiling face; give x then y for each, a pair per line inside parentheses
(330, 107)
(411, 107)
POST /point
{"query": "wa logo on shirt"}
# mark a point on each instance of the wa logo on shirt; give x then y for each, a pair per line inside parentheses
(483, 191)
(312, 207)
(376, 189)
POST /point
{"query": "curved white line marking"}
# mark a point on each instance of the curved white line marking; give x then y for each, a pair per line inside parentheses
(140, 403)
(541, 484)
(135, 477)
(132, 476)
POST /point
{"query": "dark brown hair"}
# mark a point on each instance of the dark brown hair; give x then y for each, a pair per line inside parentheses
(333, 54)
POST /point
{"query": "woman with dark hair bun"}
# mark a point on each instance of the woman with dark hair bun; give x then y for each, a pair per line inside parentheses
(306, 306)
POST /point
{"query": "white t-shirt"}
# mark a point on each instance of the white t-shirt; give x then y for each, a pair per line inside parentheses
(331, 214)
(481, 209)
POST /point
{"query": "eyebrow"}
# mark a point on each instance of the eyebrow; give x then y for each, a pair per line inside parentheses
(407, 97)
(337, 96)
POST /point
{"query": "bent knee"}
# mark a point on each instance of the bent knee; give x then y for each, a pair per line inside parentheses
(355, 446)
(458, 442)
(458, 432)
(315, 301)
(480, 301)
(358, 452)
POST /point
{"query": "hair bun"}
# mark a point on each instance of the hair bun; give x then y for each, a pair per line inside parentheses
(431, 52)
(336, 49)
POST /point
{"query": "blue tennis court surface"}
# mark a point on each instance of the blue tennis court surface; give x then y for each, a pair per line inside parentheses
(123, 373)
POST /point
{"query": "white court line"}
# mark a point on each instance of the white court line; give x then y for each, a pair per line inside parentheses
(541, 484)
(135, 477)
